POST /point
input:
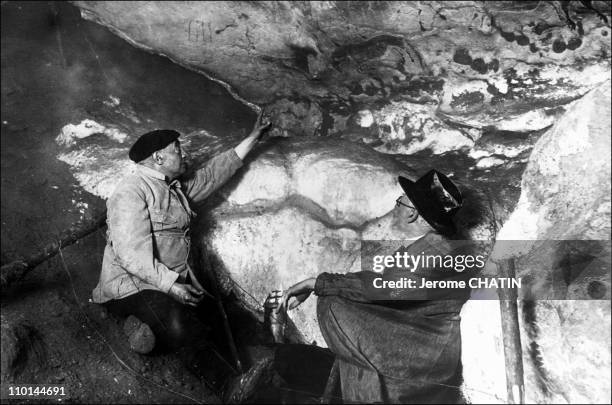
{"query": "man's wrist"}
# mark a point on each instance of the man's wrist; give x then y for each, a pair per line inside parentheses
(319, 284)
(168, 279)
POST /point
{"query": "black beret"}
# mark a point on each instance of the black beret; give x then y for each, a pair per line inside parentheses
(151, 142)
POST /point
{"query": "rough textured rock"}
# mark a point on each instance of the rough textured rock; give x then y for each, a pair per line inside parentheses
(565, 196)
(570, 163)
(316, 65)
(139, 334)
(21, 343)
(275, 250)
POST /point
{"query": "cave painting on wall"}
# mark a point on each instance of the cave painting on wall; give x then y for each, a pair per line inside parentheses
(198, 31)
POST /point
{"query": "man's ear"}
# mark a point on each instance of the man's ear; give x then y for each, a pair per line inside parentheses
(158, 157)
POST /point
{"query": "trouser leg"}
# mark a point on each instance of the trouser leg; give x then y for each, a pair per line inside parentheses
(181, 329)
(174, 325)
(387, 362)
(360, 382)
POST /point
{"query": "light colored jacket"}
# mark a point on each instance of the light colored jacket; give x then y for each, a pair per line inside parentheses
(148, 222)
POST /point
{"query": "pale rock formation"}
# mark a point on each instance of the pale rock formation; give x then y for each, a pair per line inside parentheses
(97, 169)
(86, 128)
(565, 196)
(277, 249)
(570, 163)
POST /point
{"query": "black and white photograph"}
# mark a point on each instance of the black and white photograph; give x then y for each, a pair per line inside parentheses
(312, 202)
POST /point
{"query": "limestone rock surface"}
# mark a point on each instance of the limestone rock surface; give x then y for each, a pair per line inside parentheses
(315, 66)
(564, 193)
(565, 196)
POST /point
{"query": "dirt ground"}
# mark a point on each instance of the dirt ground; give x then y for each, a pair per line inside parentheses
(59, 69)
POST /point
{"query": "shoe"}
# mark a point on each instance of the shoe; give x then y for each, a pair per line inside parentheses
(243, 387)
(207, 364)
(140, 335)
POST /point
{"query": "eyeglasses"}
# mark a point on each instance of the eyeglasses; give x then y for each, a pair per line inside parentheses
(414, 214)
(399, 202)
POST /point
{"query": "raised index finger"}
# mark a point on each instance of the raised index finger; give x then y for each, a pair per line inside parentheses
(282, 303)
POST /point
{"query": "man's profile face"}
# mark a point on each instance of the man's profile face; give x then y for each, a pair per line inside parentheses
(408, 219)
(406, 209)
(173, 163)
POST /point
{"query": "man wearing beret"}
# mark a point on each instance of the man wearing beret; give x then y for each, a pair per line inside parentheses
(146, 275)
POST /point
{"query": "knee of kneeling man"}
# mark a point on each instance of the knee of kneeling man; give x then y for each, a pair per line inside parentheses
(182, 329)
(328, 305)
(326, 302)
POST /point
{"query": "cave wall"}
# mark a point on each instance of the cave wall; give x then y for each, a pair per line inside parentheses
(406, 75)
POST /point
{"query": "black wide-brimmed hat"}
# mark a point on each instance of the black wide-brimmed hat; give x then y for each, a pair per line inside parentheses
(436, 198)
(151, 142)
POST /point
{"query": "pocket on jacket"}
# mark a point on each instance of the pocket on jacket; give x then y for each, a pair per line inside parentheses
(161, 220)
(172, 250)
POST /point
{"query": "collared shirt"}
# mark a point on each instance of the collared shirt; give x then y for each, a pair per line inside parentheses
(148, 228)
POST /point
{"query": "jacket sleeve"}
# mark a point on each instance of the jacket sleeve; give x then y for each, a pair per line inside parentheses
(216, 172)
(132, 240)
(400, 284)
(349, 286)
(360, 287)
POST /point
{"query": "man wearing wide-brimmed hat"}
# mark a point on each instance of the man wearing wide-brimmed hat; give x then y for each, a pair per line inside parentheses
(397, 346)
(146, 273)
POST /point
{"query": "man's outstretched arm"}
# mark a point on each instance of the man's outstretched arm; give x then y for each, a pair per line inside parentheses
(244, 147)
(349, 286)
(218, 170)
(360, 286)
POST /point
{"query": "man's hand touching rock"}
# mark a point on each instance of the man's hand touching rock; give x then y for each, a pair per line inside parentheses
(261, 125)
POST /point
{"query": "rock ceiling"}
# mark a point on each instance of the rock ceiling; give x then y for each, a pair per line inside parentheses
(413, 69)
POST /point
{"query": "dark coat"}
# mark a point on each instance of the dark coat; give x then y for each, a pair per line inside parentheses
(398, 346)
